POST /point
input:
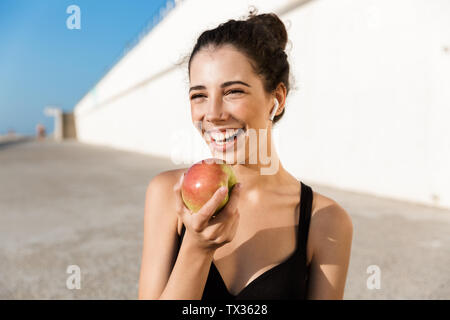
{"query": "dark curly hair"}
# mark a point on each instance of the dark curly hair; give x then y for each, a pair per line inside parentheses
(262, 38)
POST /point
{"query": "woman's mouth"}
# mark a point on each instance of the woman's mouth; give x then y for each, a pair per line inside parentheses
(225, 139)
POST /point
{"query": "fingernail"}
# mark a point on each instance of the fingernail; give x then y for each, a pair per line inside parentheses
(223, 189)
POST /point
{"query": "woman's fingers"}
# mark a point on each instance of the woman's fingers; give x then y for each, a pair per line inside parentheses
(200, 220)
(234, 198)
(231, 206)
(227, 217)
(205, 213)
(210, 232)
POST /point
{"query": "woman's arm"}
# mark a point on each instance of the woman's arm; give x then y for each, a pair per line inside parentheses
(331, 232)
(189, 274)
(159, 253)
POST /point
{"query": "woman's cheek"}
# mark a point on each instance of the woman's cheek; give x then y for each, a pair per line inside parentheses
(196, 113)
(241, 109)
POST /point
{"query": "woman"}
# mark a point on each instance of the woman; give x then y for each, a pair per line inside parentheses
(275, 238)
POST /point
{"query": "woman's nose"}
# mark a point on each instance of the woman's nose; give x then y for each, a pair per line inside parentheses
(215, 110)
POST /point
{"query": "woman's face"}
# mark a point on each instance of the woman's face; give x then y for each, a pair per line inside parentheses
(225, 94)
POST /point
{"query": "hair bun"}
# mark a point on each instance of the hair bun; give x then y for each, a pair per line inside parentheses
(273, 24)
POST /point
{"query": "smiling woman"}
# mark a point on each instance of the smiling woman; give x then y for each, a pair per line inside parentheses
(275, 238)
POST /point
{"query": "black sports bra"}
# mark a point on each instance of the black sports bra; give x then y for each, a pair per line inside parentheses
(287, 280)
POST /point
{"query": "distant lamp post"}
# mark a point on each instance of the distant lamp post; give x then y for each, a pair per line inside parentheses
(57, 113)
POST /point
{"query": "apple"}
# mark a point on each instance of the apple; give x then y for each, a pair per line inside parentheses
(203, 179)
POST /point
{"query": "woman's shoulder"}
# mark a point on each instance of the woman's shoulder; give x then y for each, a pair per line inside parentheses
(166, 178)
(163, 183)
(161, 186)
(327, 211)
(328, 219)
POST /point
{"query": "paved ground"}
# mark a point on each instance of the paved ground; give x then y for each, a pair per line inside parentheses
(75, 204)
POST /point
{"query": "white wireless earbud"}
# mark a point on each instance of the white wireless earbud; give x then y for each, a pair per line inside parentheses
(275, 109)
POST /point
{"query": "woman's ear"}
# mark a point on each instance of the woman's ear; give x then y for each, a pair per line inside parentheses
(280, 96)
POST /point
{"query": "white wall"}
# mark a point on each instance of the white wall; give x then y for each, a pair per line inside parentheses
(369, 113)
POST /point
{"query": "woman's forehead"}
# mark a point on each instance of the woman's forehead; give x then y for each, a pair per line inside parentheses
(220, 63)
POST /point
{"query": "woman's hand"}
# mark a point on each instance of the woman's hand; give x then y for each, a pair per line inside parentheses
(204, 231)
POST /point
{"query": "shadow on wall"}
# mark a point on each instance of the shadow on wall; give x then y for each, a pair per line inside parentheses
(69, 130)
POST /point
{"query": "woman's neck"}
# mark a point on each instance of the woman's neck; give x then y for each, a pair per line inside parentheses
(259, 175)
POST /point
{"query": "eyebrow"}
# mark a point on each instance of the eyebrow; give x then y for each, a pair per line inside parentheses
(223, 85)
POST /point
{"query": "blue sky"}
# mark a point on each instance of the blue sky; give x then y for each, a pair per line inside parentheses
(42, 62)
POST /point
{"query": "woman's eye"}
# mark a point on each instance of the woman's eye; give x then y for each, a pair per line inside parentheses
(194, 96)
(235, 91)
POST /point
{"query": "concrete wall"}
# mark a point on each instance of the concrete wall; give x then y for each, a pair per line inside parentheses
(368, 113)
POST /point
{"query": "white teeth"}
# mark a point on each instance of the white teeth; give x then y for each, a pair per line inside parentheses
(220, 137)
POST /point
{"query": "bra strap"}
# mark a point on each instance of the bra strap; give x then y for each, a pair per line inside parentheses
(183, 229)
(305, 215)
